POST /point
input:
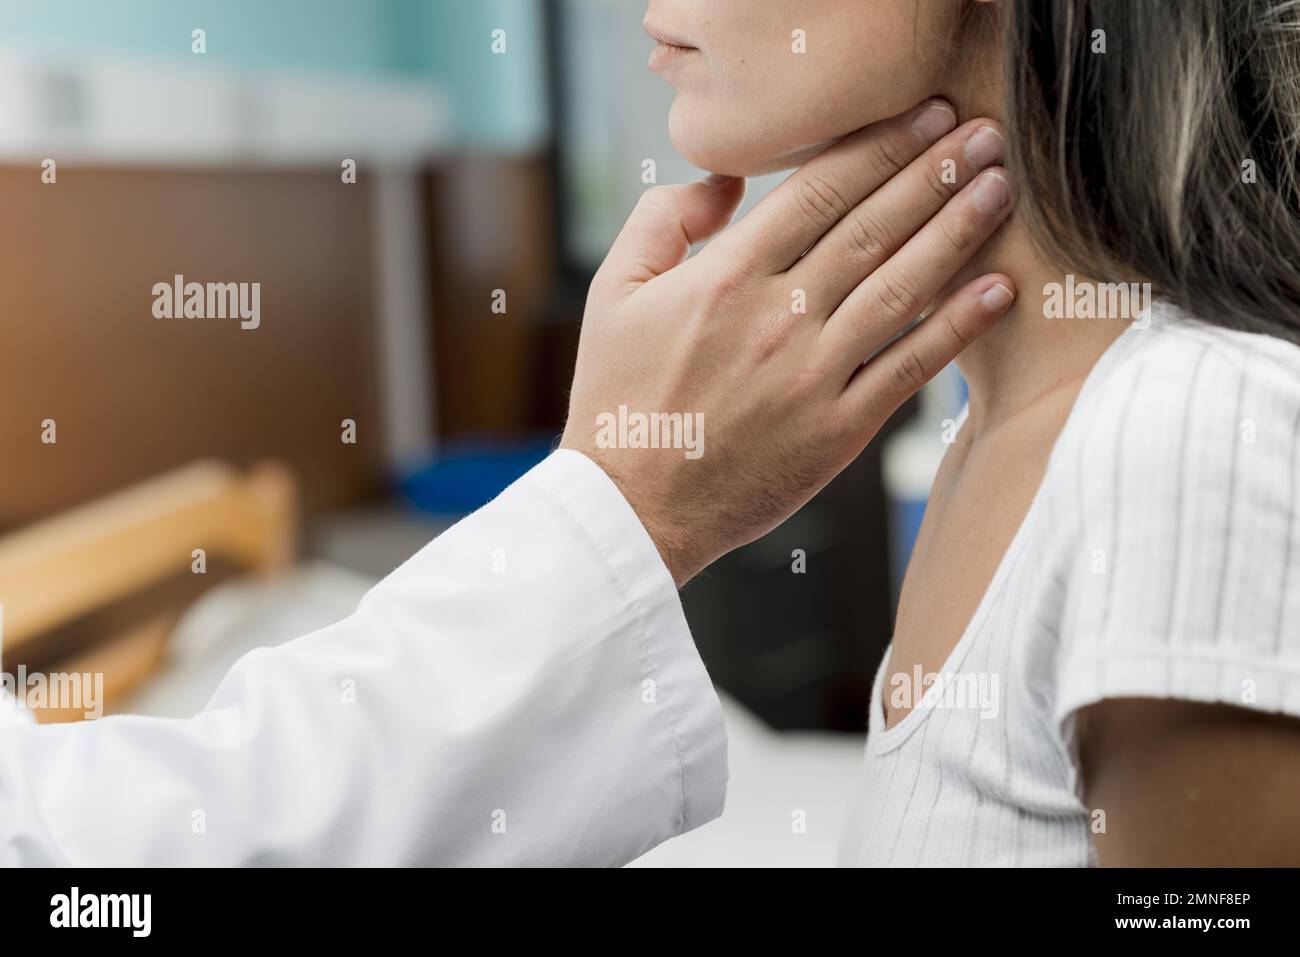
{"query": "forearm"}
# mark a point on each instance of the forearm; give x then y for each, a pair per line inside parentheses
(522, 691)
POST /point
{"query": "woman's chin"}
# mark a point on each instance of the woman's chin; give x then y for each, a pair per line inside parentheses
(711, 148)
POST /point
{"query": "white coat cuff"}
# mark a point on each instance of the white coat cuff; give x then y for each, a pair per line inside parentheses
(644, 585)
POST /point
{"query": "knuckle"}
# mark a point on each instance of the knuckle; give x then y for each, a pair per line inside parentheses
(842, 424)
(889, 158)
(942, 190)
(897, 295)
(868, 236)
(770, 334)
(960, 232)
(821, 202)
(909, 372)
(807, 382)
(956, 335)
(726, 285)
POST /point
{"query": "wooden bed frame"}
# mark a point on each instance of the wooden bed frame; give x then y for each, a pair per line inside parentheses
(66, 568)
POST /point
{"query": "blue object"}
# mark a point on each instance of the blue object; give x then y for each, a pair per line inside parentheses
(905, 515)
(467, 475)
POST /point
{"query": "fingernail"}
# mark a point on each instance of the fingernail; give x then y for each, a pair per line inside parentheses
(996, 298)
(936, 120)
(992, 193)
(984, 148)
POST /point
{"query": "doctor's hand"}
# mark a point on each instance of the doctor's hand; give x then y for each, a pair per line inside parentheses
(768, 361)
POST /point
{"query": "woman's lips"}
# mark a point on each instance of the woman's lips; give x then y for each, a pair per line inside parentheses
(669, 49)
(666, 53)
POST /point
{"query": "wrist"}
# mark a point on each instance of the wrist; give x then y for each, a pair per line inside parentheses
(675, 554)
(652, 510)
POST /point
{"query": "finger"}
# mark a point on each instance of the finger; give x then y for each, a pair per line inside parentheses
(809, 203)
(879, 226)
(893, 296)
(666, 222)
(893, 376)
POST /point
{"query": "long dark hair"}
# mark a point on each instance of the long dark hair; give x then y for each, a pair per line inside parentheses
(1173, 154)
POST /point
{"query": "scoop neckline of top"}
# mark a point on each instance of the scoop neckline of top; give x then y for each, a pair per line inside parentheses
(879, 736)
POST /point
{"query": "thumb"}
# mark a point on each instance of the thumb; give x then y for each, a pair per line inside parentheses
(666, 222)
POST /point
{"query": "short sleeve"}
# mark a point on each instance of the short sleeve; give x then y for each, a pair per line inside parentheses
(1181, 563)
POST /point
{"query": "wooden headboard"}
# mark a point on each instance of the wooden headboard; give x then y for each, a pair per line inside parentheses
(97, 589)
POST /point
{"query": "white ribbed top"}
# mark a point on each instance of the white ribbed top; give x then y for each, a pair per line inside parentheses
(1160, 558)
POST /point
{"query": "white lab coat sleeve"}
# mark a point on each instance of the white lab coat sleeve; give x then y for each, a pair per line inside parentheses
(524, 690)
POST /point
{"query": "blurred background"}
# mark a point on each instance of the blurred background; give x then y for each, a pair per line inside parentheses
(423, 189)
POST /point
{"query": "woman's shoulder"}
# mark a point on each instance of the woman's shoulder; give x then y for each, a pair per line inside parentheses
(1181, 396)
(1180, 545)
(1174, 341)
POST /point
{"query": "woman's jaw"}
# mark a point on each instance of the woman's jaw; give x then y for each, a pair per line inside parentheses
(1025, 355)
(748, 104)
(765, 86)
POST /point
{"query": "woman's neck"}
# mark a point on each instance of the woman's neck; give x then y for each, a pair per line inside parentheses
(1026, 355)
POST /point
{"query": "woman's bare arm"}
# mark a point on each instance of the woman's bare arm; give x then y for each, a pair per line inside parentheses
(1185, 784)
